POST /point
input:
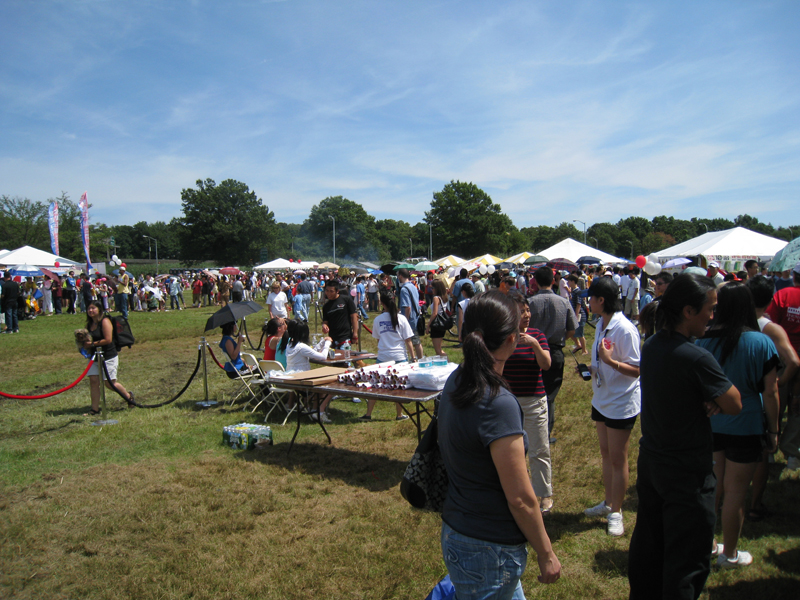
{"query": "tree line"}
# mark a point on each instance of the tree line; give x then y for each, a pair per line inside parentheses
(228, 224)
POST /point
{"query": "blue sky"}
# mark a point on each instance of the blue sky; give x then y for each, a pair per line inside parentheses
(559, 110)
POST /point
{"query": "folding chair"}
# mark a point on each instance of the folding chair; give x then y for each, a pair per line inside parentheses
(276, 398)
(244, 379)
(258, 380)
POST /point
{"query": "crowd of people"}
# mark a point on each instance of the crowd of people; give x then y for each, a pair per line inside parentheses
(709, 363)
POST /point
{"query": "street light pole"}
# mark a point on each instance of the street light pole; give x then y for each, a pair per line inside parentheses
(334, 238)
(596, 245)
(631, 243)
(410, 248)
(584, 228)
(148, 249)
(430, 226)
(704, 225)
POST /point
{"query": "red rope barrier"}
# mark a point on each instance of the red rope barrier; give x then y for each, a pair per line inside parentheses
(214, 357)
(367, 328)
(39, 397)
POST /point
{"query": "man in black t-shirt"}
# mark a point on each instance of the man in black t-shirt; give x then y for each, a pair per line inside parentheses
(339, 317)
(86, 290)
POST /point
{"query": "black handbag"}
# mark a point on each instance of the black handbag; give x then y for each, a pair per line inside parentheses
(425, 481)
(442, 321)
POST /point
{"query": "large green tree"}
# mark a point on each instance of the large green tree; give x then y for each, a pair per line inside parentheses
(466, 222)
(23, 222)
(226, 223)
(397, 239)
(355, 229)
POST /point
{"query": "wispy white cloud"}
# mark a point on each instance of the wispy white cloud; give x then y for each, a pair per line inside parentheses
(557, 110)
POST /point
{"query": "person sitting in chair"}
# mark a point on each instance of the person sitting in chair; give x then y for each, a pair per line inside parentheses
(232, 350)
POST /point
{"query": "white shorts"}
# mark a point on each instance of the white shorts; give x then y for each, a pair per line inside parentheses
(111, 365)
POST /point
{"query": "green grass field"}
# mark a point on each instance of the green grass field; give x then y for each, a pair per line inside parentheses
(156, 507)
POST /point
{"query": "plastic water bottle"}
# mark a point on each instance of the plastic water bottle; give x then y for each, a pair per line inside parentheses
(346, 350)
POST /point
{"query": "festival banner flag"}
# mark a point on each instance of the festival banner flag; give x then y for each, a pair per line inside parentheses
(84, 206)
(52, 221)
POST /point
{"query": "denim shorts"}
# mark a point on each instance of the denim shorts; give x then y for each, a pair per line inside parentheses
(579, 329)
(481, 570)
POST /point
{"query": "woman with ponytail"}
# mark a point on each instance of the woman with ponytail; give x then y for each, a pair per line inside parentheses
(490, 511)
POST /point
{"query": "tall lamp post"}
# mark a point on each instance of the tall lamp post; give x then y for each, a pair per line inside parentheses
(334, 238)
(704, 225)
(595, 243)
(584, 228)
(410, 248)
(148, 248)
(430, 226)
(631, 243)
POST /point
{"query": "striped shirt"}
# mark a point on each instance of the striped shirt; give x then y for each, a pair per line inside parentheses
(522, 372)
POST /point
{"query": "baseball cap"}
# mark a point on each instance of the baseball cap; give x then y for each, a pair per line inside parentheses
(714, 263)
(122, 268)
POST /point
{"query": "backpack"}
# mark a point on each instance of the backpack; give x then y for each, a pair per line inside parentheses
(122, 336)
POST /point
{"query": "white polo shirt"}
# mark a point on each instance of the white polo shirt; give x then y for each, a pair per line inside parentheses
(616, 396)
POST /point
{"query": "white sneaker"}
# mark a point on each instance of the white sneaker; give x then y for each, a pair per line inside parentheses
(793, 463)
(325, 418)
(615, 526)
(601, 510)
(742, 558)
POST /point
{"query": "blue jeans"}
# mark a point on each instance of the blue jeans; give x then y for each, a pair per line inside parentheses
(122, 304)
(300, 310)
(481, 570)
(12, 316)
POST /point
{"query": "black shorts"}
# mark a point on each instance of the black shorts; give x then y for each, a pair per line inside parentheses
(613, 423)
(739, 448)
(437, 333)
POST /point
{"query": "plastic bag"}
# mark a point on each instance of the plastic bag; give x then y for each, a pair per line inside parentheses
(432, 378)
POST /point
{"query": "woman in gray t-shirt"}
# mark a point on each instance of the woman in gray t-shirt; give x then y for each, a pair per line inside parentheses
(491, 510)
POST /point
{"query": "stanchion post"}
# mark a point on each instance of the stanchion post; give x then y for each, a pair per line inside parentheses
(205, 369)
(205, 403)
(102, 370)
(101, 366)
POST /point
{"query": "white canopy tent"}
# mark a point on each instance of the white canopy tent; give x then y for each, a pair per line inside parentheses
(278, 263)
(573, 250)
(27, 255)
(731, 248)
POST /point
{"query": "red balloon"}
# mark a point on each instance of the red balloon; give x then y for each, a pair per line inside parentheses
(57, 264)
(124, 265)
(641, 261)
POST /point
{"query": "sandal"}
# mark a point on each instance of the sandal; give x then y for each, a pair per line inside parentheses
(92, 413)
(131, 401)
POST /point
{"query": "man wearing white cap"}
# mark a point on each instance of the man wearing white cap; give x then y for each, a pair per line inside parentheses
(713, 272)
